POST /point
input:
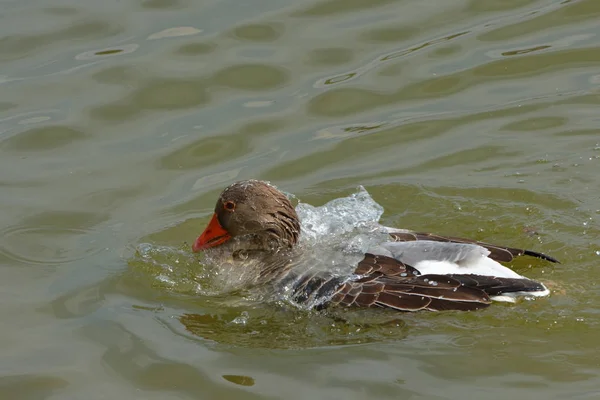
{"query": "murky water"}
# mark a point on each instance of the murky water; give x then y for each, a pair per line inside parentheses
(120, 122)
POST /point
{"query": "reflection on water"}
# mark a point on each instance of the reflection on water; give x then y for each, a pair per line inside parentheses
(120, 123)
(289, 329)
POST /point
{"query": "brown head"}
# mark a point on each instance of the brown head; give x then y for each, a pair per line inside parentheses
(253, 211)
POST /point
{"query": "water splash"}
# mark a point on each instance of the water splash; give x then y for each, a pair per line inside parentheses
(338, 216)
(169, 268)
(339, 232)
(334, 238)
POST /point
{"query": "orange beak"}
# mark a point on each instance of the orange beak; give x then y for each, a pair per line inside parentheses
(213, 235)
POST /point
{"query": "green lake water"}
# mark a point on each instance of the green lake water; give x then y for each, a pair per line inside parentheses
(121, 121)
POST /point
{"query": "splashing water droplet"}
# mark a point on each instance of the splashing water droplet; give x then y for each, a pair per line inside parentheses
(339, 215)
(242, 319)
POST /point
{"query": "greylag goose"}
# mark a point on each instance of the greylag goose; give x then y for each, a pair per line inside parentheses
(255, 228)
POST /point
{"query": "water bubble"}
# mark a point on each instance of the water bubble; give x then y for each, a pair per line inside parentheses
(242, 319)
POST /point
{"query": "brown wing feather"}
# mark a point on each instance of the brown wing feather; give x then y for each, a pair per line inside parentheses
(498, 253)
(387, 282)
(383, 281)
(496, 285)
(385, 265)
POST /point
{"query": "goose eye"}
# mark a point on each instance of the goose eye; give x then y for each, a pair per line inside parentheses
(229, 205)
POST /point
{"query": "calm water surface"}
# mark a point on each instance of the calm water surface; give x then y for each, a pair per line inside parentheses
(120, 122)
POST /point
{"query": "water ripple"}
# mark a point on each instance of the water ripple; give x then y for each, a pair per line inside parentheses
(44, 245)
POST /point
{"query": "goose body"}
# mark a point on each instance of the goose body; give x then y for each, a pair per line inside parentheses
(256, 232)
